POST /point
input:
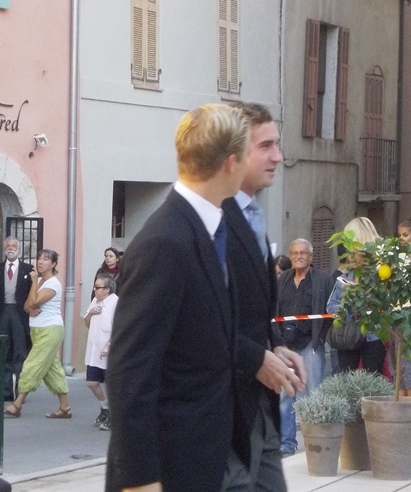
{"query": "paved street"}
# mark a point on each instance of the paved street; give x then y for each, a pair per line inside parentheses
(33, 443)
(92, 480)
(42, 455)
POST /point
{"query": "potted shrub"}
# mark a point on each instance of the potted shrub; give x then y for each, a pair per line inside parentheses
(380, 303)
(322, 419)
(353, 386)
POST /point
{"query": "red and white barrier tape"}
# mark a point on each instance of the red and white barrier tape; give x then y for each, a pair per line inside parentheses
(301, 317)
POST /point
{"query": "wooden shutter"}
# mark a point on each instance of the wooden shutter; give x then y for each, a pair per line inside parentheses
(312, 44)
(145, 41)
(152, 59)
(228, 80)
(373, 105)
(323, 229)
(234, 55)
(223, 45)
(342, 84)
(137, 71)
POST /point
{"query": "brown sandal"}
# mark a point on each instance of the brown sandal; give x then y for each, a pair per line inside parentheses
(14, 414)
(60, 413)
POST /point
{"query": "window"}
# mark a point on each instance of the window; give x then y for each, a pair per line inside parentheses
(373, 103)
(144, 66)
(119, 209)
(29, 231)
(326, 79)
(323, 229)
(228, 42)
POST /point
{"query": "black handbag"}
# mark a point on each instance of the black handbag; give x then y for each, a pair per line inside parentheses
(346, 337)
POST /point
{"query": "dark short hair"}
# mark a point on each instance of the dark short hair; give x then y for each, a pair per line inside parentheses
(256, 114)
(50, 254)
(283, 262)
(108, 280)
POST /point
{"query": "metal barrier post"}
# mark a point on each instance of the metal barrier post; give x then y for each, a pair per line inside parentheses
(2, 340)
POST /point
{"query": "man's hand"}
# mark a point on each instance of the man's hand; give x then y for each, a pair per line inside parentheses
(152, 487)
(292, 360)
(276, 374)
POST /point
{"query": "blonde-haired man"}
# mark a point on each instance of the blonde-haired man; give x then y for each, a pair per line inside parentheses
(172, 355)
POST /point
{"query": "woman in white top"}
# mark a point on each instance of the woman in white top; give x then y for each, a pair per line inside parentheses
(47, 333)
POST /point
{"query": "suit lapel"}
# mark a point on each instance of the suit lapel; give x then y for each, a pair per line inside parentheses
(239, 227)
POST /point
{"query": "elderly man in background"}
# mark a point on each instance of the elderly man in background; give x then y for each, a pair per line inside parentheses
(15, 283)
(303, 290)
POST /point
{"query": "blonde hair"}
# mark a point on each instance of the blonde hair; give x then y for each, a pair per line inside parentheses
(364, 230)
(206, 136)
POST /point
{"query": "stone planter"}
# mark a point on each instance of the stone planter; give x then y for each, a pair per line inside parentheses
(388, 427)
(322, 447)
(354, 454)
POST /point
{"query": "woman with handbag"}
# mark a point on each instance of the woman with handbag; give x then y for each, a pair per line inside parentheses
(368, 349)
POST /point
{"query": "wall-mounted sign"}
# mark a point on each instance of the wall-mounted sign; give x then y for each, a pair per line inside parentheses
(8, 121)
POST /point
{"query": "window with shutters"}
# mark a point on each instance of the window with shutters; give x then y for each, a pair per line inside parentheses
(228, 41)
(373, 104)
(323, 229)
(325, 81)
(145, 72)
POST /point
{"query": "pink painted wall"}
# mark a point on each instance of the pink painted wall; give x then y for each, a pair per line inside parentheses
(35, 66)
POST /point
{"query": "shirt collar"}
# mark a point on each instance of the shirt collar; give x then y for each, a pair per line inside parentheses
(208, 213)
(243, 199)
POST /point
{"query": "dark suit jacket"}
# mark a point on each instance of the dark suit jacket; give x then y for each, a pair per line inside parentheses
(257, 296)
(23, 286)
(170, 369)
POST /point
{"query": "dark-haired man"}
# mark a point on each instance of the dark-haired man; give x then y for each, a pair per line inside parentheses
(261, 371)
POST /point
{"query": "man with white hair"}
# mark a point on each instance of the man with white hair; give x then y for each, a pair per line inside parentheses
(15, 283)
(303, 289)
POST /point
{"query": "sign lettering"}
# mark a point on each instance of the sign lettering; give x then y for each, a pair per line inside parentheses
(7, 123)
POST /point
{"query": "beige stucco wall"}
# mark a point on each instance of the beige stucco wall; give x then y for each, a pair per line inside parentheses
(323, 172)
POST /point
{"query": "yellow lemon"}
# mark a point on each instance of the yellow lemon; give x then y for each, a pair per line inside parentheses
(337, 323)
(364, 330)
(384, 272)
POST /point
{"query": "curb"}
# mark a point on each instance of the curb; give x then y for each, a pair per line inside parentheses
(55, 471)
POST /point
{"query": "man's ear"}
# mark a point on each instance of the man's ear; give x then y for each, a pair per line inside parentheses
(230, 163)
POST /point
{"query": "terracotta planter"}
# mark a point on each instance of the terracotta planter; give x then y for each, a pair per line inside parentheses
(322, 447)
(388, 427)
(354, 454)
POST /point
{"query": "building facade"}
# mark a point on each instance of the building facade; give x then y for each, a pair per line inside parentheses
(340, 93)
(327, 70)
(34, 131)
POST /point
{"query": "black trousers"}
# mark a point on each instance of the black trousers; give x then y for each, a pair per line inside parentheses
(372, 355)
(15, 348)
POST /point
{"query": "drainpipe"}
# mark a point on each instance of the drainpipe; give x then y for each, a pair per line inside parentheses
(72, 176)
(400, 101)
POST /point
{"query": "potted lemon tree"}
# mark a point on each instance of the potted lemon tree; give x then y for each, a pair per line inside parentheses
(380, 301)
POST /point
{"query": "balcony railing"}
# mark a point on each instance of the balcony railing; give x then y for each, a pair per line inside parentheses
(380, 165)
